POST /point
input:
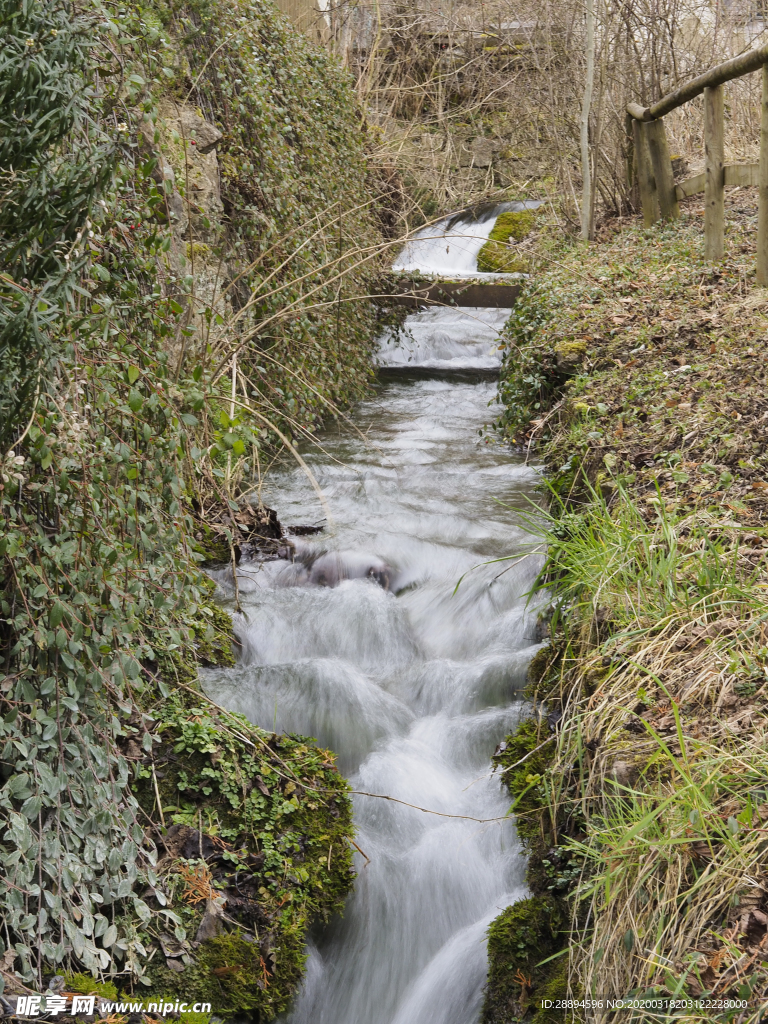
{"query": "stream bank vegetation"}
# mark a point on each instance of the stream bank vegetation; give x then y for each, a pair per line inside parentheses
(188, 227)
(637, 370)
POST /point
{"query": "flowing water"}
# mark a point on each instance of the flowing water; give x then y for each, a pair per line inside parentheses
(364, 642)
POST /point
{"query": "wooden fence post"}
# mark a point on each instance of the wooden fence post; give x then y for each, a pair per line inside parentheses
(714, 158)
(762, 210)
(662, 169)
(645, 180)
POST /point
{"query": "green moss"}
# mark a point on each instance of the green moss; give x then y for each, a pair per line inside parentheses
(190, 1017)
(198, 250)
(211, 545)
(531, 379)
(231, 973)
(523, 781)
(543, 672)
(570, 353)
(534, 929)
(214, 634)
(516, 224)
(211, 642)
(496, 256)
(88, 986)
(518, 940)
(552, 988)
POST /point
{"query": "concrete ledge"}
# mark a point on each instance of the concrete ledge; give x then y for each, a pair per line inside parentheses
(497, 295)
(744, 175)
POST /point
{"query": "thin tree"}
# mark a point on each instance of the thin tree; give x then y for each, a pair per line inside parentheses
(589, 84)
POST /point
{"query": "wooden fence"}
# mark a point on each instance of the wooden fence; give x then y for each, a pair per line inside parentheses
(660, 195)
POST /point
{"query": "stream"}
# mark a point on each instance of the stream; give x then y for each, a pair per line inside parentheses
(364, 642)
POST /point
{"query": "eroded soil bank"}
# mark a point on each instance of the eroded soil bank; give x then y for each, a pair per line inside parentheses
(638, 370)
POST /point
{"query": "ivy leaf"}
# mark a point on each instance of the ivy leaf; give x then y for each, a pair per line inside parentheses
(18, 785)
(31, 807)
(142, 910)
(56, 614)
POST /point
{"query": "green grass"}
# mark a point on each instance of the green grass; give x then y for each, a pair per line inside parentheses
(647, 569)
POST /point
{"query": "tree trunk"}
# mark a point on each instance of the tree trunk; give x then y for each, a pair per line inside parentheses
(589, 84)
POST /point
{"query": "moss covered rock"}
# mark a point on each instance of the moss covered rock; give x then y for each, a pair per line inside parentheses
(569, 355)
(523, 780)
(231, 973)
(534, 929)
(254, 831)
(518, 940)
(211, 641)
(497, 255)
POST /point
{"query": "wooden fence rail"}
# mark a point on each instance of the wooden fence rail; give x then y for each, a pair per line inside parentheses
(658, 193)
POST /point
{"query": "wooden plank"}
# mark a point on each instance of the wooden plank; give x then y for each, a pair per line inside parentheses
(645, 179)
(501, 295)
(662, 170)
(714, 192)
(762, 209)
(744, 64)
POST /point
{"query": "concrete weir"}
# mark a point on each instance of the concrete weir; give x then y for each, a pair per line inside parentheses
(444, 292)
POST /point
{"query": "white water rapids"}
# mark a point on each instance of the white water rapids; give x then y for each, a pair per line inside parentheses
(413, 686)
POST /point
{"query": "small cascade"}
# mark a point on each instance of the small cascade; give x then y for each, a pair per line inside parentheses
(450, 247)
(364, 642)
